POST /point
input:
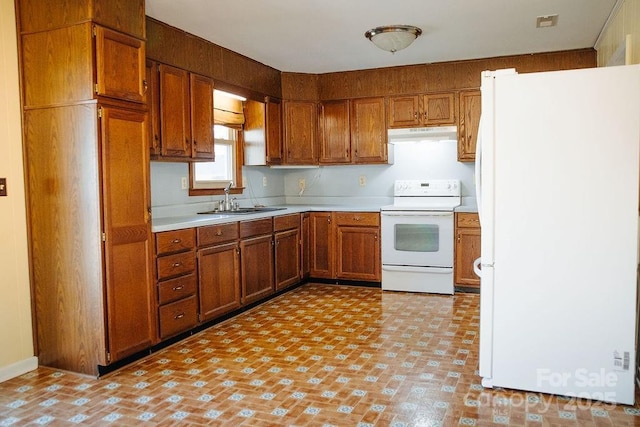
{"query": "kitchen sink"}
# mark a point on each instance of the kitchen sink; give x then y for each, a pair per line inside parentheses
(242, 211)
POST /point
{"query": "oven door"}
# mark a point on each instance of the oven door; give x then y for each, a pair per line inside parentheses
(417, 238)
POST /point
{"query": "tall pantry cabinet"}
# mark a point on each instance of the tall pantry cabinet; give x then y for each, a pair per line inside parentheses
(87, 170)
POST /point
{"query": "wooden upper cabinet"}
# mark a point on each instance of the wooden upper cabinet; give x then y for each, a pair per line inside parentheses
(274, 131)
(126, 16)
(335, 132)
(404, 111)
(175, 132)
(468, 123)
(300, 141)
(435, 109)
(153, 103)
(439, 109)
(368, 130)
(120, 65)
(263, 132)
(201, 91)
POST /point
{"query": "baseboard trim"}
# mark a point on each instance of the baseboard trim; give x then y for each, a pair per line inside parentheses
(18, 368)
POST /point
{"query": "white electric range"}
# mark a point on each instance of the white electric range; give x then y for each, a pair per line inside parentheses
(417, 236)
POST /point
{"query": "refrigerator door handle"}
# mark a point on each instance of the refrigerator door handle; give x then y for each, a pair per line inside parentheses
(477, 173)
(476, 267)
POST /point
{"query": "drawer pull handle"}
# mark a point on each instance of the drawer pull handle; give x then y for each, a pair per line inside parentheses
(179, 316)
(178, 288)
(175, 241)
(357, 218)
(219, 233)
(176, 264)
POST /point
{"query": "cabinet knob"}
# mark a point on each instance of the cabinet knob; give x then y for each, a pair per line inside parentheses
(219, 233)
(357, 218)
(179, 316)
(178, 288)
(176, 241)
(176, 264)
(145, 86)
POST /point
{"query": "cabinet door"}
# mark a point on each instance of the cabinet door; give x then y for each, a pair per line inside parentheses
(175, 126)
(201, 90)
(305, 247)
(467, 251)
(469, 120)
(368, 131)
(335, 134)
(321, 241)
(120, 65)
(128, 242)
(404, 111)
(274, 131)
(438, 109)
(287, 258)
(126, 16)
(300, 133)
(219, 280)
(153, 103)
(255, 133)
(256, 260)
(358, 253)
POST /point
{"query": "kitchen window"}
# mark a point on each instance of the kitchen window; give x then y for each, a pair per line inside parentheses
(210, 178)
(217, 174)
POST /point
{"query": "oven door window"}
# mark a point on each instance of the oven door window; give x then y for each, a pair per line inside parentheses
(417, 237)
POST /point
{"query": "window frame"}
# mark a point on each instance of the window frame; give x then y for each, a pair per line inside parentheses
(237, 187)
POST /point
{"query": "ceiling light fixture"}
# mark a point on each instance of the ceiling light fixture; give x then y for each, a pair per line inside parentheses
(393, 38)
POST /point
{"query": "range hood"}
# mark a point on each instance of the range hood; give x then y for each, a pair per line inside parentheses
(434, 133)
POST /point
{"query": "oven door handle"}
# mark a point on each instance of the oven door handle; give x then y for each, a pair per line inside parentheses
(415, 213)
(416, 269)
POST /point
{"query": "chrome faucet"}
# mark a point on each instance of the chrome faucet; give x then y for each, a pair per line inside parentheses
(227, 203)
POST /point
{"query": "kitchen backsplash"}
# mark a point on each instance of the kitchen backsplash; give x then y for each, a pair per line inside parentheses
(323, 185)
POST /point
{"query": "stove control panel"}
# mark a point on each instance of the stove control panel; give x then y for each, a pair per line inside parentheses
(427, 188)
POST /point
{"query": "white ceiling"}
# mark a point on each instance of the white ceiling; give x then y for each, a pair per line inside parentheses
(314, 36)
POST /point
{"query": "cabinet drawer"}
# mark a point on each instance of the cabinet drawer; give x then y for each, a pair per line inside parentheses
(286, 222)
(168, 242)
(467, 220)
(214, 234)
(256, 228)
(175, 289)
(357, 218)
(178, 316)
(176, 265)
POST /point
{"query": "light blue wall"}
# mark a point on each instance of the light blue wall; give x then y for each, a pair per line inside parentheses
(327, 184)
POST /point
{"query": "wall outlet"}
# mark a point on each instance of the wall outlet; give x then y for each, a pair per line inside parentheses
(302, 184)
(184, 183)
(3, 186)
(362, 180)
(264, 181)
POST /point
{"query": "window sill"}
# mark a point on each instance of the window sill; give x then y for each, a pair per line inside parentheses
(213, 191)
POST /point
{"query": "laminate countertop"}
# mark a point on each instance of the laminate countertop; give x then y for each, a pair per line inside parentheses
(198, 220)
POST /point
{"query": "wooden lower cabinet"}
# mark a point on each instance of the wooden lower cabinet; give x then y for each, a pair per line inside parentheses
(305, 245)
(358, 246)
(321, 242)
(345, 245)
(256, 259)
(286, 250)
(176, 279)
(467, 249)
(219, 280)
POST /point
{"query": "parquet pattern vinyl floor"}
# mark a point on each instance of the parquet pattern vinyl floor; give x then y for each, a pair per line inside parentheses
(319, 355)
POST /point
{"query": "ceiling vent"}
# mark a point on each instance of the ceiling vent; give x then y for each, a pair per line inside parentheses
(546, 21)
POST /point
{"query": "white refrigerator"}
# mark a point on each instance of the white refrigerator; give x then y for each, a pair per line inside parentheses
(558, 169)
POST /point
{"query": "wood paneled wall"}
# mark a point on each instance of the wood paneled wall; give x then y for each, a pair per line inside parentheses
(230, 70)
(423, 78)
(626, 21)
